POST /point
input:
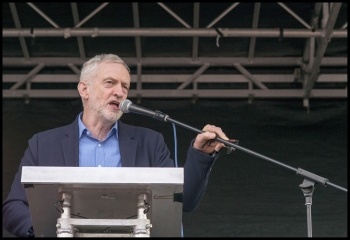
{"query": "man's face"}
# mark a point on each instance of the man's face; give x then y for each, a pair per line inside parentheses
(109, 88)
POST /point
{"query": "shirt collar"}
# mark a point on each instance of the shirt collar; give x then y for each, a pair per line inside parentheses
(84, 130)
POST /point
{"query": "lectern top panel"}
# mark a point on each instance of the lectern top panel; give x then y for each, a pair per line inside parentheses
(104, 175)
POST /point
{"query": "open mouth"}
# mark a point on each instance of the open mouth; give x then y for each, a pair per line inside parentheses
(114, 104)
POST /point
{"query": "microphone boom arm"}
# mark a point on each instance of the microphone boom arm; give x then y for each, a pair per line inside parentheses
(127, 106)
(299, 171)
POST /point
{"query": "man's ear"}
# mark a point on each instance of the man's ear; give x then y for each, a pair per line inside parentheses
(83, 90)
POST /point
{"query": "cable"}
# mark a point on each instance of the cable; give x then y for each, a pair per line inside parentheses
(175, 145)
(176, 165)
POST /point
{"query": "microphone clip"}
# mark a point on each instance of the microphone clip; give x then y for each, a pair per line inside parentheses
(230, 148)
(160, 116)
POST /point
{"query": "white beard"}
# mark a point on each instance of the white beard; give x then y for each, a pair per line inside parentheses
(106, 114)
(103, 111)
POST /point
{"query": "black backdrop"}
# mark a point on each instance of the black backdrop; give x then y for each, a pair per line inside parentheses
(246, 196)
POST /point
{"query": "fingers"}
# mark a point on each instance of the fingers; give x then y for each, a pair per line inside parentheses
(217, 130)
(205, 141)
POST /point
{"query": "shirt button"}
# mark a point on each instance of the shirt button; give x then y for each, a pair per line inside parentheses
(99, 144)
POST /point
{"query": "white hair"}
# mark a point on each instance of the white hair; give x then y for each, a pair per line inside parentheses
(89, 68)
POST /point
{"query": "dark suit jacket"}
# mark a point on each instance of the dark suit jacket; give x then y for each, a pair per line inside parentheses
(139, 147)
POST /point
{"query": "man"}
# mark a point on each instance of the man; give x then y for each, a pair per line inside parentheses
(98, 138)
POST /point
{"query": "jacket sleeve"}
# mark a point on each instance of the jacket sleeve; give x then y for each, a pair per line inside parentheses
(15, 210)
(196, 174)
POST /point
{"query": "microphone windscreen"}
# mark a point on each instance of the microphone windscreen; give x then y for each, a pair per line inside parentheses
(124, 106)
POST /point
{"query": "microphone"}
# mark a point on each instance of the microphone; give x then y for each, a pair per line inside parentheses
(127, 106)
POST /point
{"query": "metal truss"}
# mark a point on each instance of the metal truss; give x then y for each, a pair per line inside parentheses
(313, 74)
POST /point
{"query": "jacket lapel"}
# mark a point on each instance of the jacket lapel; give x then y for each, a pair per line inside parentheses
(127, 145)
(70, 145)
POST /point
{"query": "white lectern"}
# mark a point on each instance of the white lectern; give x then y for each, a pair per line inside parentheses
(104, 202)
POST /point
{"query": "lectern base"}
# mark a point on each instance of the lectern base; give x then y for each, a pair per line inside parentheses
(73, 227)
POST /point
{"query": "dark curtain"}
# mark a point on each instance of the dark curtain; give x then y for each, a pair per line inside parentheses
(247, 196)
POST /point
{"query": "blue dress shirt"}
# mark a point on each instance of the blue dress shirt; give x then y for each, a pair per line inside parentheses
(95, 153)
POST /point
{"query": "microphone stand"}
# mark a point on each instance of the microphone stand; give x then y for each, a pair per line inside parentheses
(307, 186)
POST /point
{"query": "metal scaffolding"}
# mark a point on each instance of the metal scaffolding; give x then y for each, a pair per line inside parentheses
(312, 74)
